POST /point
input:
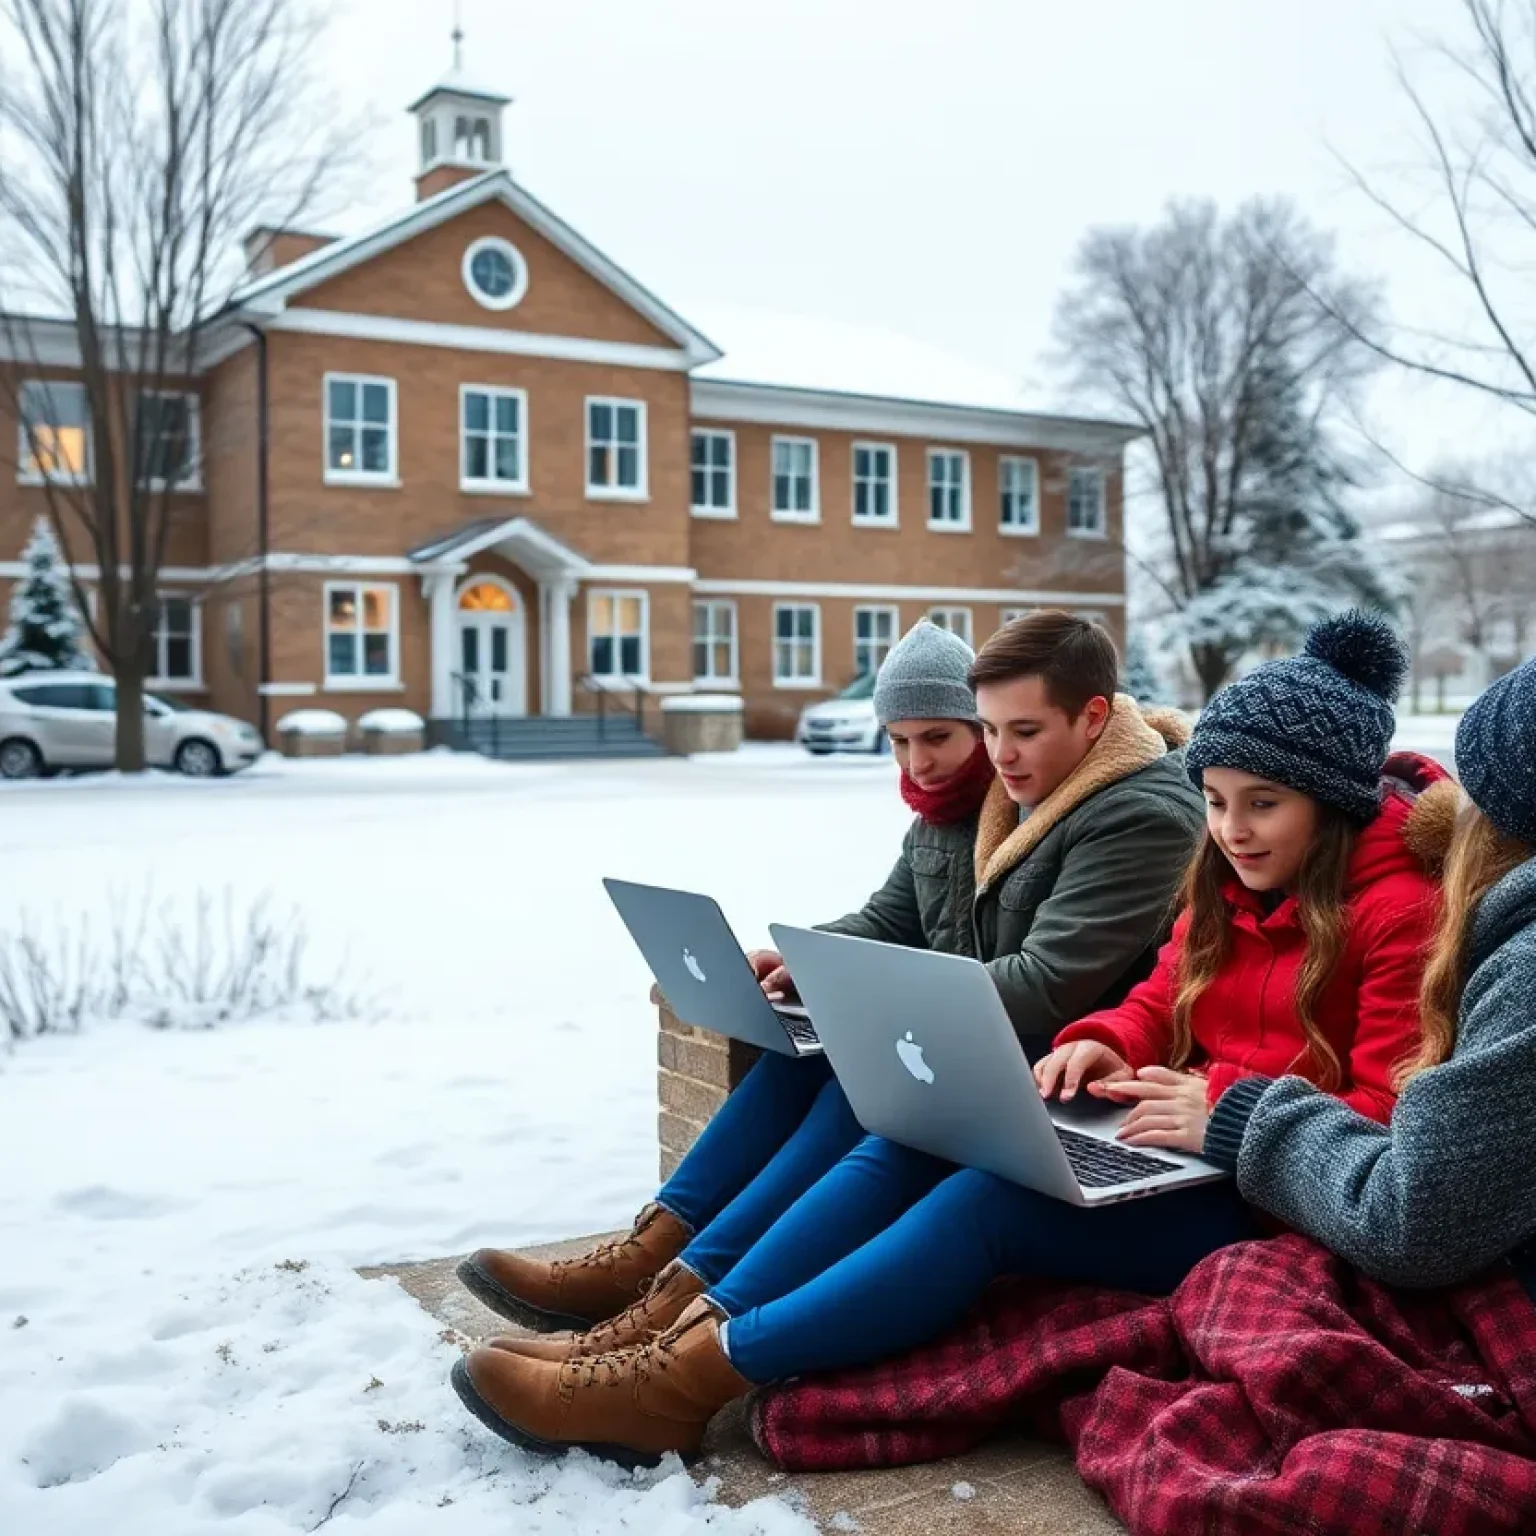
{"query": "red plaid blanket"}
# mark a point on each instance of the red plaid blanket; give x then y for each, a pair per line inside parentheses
(1277, 1391)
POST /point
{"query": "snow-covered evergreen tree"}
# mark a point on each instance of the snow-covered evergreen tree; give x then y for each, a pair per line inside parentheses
(1139, 677)
(45, 632)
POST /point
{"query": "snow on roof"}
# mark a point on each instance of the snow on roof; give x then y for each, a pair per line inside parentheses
(458, 83)
(793, 351)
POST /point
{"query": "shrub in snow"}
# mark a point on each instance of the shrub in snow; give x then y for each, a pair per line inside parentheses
(163, 965)
(1140, 678)
(312, 722)
(45, 632)
(388, 722)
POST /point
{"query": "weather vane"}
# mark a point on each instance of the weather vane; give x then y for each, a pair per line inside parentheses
(458, 34)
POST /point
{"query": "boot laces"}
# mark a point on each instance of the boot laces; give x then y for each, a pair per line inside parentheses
(606, 1254)
(638, 1363)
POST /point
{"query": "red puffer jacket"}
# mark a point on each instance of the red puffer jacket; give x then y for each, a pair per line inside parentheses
(1244, 1024)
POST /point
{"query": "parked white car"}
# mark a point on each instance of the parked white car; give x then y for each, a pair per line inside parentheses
(845, 723)
(51, 720)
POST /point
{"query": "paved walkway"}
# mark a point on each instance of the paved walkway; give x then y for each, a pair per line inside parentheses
(1012, 1487)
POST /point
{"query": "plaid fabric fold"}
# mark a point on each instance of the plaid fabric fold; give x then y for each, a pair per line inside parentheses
(1277, 1393)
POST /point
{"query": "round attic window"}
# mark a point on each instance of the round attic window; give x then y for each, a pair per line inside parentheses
(495, 273)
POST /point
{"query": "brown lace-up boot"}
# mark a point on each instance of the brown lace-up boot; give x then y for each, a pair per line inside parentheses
(575, 1293)
(632, 1407)
(654, 1313)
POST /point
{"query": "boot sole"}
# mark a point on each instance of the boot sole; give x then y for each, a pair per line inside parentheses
(504, 1304)
(619, 1455)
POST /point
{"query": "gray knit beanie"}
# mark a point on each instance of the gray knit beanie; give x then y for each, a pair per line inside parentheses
(926, 677)
(1320, 722)
(1496, 753)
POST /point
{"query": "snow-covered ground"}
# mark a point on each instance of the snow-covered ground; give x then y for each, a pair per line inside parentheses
(184, 1347)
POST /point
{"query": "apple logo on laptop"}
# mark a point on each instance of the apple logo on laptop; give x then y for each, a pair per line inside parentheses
(694, 968)
(911, 1054)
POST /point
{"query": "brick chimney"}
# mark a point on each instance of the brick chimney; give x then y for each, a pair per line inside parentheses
(268, 249)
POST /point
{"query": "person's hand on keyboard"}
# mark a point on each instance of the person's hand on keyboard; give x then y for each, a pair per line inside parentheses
(1070, 1066)
(1170, 1109)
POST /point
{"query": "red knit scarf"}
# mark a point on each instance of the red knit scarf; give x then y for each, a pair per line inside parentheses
(958, 797)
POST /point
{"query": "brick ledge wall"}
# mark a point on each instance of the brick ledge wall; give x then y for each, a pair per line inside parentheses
(695, 1070)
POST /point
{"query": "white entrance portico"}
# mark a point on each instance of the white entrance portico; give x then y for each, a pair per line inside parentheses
(478, 623)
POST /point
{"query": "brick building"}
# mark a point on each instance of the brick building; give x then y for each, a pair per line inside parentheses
(465, 455)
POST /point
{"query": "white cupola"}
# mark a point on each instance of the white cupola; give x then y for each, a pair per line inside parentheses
(458, 128)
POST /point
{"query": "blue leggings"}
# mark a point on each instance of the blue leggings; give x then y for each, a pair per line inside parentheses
(785, 1126)
(892, 1247)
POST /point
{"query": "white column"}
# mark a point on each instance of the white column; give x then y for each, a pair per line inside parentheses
(437, 586)
(557, 647)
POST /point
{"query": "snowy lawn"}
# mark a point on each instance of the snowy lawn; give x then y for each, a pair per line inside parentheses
(184, 1347)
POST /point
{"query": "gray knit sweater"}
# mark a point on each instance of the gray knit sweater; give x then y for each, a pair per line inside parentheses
(1448, 1188)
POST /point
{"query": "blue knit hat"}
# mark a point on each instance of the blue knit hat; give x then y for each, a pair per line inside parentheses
(1320, 722)
(926, 676)
(1496, 753)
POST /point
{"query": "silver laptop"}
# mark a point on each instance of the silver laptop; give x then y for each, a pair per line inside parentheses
(924, 1049)
(702, 971)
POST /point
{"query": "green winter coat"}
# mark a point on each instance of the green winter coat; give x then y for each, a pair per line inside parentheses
(1067, 908)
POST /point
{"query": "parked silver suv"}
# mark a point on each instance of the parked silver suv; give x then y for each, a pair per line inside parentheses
(54, 720)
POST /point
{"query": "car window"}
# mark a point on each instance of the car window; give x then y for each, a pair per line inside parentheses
(58, 695)
(862, 687)
(101, 696)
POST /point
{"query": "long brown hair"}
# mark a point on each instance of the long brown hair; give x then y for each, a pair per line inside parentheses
(1479, 858)
(1320, 887)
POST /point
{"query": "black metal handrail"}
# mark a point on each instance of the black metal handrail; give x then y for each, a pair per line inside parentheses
(470, 700)
(613, 687)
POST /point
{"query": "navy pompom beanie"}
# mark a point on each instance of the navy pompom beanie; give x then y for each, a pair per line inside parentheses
(1496, 753)
(1321, 722)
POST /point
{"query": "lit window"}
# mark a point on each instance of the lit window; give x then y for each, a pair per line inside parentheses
(360, 633)
(616, 623)
(359, 429)
(714, 642)
(55, 433)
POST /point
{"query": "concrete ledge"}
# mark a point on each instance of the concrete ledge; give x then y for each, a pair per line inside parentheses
(1010, 1487)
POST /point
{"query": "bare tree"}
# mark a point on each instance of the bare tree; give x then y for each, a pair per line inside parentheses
(139, 141)
(1206, 333)
(1472, 207)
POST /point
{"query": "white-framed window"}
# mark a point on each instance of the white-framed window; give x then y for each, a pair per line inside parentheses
(616, 467)
(949, 489)
(495, 273)
(1085, 504)
(796, 480)
(169, 430)
(472, 139)
(1006, 616)
(54, 433)
(618, 634)
(796, 645)
(361, 430)
(714, 472)
(874, 484)
(1093, 616)
(874, 633)
(956, 620)
(714, 642)
(362, 635)
(178, 642)
(1018, 483)
(493, 438)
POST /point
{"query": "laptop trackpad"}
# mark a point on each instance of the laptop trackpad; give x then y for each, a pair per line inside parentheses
(1089, 1115)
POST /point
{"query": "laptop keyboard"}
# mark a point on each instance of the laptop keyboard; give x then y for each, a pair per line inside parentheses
(1101, 1164)
(799, 1029)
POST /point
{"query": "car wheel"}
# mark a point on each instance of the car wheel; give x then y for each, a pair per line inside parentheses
(199, 759)
(20, 760)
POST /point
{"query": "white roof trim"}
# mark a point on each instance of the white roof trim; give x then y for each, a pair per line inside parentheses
(270, 294)
(548, 555)
(780, 405)
(708, 587)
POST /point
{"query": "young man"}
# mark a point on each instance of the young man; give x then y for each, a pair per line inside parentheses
(1060, 876)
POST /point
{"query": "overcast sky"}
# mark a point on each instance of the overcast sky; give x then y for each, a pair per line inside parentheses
(924, 166)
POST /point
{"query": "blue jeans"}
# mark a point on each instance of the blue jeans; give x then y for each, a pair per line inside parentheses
(787, 1123)
(892, 1247)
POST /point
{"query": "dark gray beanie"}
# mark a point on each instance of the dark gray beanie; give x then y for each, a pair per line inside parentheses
(1496, 753)
(926, 676)
(1320, 722)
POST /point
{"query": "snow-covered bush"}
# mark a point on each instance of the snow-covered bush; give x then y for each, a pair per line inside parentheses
(1140, 678)
(392, 722)
(45, 633)
(312, 722)
(168, 965)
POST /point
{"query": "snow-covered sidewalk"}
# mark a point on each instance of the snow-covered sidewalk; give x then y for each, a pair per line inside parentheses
(184, 1346)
